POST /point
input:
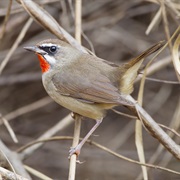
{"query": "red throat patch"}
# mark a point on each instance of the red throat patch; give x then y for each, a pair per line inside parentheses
(43, 63)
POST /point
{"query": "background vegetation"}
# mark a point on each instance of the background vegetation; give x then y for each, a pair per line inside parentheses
(118, 30)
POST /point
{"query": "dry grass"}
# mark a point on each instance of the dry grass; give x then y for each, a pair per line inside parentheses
(116, 30)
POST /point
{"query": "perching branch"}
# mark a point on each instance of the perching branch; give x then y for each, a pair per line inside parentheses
(77, 127)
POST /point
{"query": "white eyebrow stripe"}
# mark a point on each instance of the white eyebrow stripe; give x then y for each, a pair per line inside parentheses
(48, 45)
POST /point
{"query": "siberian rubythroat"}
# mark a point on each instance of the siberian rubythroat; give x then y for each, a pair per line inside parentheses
(83, 83)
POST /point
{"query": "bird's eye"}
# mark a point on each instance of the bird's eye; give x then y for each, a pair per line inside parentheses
(53, 49)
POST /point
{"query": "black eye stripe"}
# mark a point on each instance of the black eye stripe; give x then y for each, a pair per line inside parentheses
(51, 50)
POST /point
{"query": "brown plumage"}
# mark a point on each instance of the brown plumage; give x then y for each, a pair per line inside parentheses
(85, 84)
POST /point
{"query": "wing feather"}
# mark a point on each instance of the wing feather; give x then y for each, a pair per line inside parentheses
(92, 88)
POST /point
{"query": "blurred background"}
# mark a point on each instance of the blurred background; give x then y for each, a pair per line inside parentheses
(118, 30)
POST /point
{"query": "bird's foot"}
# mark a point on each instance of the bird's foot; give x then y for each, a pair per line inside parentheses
(75, 150)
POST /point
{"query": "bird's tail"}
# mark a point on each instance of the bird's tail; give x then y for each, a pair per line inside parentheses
(131, 68)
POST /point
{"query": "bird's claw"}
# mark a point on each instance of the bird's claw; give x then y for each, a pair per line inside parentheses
(74, 150)
(79, 162)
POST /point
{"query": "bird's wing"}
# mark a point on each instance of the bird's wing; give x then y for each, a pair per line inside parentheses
(88, 88)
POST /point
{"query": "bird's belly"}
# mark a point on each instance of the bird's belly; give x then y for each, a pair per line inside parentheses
(93, 111)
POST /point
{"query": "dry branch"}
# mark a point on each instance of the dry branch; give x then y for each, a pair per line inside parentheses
(5, 174)
(12, 160)
(49, 133)
(15, 45)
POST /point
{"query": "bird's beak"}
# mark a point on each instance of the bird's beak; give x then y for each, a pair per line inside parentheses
(36, 50)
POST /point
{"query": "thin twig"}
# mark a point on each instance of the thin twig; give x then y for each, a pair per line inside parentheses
(122, 137)
(78, 21)
(37, 173)
(166, 23)
(155, 67)
(170, 129)
(9, 128)
(57, 138)
(77, 127)
(73, 158)
(52, 131)
(154, 21)
(6, 20)
(162, 81)
(124, 114)
(28, 108)
(132, 161)
(138, 132)
(19, 78)
(16, 44)
(82, 33)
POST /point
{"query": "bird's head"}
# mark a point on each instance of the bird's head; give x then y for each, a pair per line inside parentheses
(52, 53)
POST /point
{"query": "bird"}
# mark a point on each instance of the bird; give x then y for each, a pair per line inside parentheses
(84, 83)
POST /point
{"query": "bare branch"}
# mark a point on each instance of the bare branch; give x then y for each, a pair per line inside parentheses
(5, 174)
